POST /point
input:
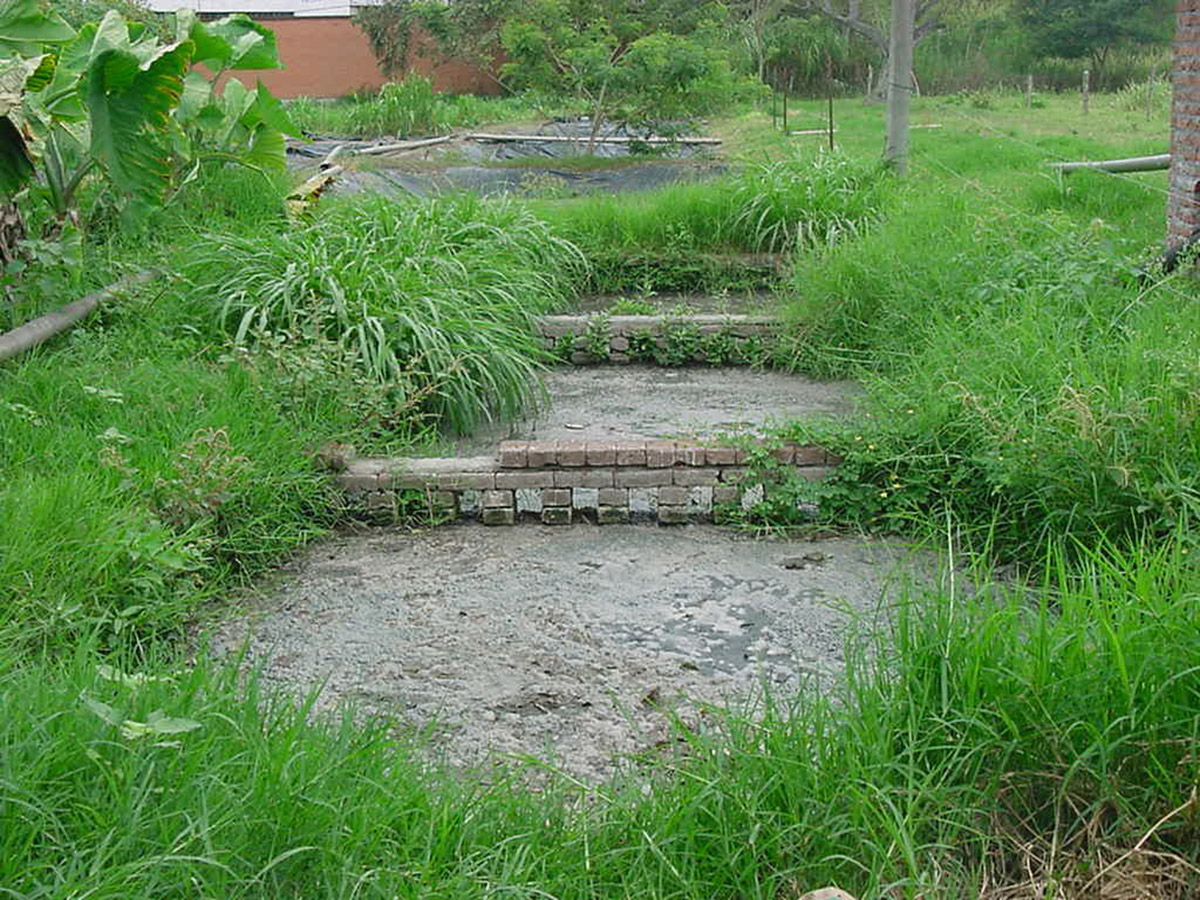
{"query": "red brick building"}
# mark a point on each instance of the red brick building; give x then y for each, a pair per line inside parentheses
(325, 55)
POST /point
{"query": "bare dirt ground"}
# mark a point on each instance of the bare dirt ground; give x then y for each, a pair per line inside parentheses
(572, 645)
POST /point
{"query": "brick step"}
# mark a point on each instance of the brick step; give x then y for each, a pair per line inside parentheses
(558, 482)
(599, 337)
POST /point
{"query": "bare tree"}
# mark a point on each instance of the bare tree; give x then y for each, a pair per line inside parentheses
(850, 16)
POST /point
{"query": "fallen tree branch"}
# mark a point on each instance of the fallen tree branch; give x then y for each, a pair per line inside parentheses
(566, 139)
(1132, 164)
(403, 146)
(41, 329)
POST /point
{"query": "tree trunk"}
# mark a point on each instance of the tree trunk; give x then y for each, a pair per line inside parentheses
(12, 232)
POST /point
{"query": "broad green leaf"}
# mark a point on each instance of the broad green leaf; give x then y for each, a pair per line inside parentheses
(21, 76)
(253, 44)
(272, 111)
(212, 50)
(16, 163)
(23, 22)
(267, 149)
(130, 107)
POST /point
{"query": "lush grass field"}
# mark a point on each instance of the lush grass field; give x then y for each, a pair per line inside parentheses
(1029, 393)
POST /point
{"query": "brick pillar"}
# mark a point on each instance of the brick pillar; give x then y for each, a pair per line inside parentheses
(1183, 207)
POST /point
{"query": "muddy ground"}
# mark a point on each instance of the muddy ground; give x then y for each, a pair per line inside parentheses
(573, 645)
(640, 402)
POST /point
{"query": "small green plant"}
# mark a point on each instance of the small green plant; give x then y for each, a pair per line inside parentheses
(597, 338)
(632, 306)
(681, 345)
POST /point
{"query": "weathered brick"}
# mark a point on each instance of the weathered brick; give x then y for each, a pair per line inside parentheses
(660, 454)
(353, 483)
(784, 454)
(601, 453)
(673, 496)
(500, 516)
(613, 515)
(672, 515)
(527, 478)
(541, 453)
(687, 454)
(614, 496)
(619, 344)
(632, 477)
(725, 495)
(529, 500)
(695, 477)
(556, 515)
(444, 500)
(470, 503)
(585, 498)
(572, 453)
(700, 501)
(733, 474)
(631, 453)
(556, 497)
(832, 459)
(643, 502)
(720, 456)
(497, 499)
(589, 478)
(514, 454)
(808, 455)
(457, 481)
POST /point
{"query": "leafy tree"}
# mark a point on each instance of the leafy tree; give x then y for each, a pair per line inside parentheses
(620, 60)
(1078, 29)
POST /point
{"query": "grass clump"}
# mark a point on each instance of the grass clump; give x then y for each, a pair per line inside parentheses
(407, 108)
(660, 240)
(434, 299)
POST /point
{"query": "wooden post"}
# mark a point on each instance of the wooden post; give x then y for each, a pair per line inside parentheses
(870, 83)
(1150, 94)
(1087, 88)
(900, 83)
(829, 88)
(1029, 91)
(774, 104)
(785, 124)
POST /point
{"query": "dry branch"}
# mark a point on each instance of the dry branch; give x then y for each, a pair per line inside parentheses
(1131, 164)
(566, 139)
(41, 329)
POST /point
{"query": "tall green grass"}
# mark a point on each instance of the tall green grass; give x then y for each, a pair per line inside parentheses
(1023, 369)
(775, 206)
(408, 108)
(434, 299)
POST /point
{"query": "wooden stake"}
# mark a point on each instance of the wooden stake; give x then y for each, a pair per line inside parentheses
(1029, 92)
(1087, 88)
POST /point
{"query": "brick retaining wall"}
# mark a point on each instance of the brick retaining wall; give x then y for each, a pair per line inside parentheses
(558, 482)
(715, 339)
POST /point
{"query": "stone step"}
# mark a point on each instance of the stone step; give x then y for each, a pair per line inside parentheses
(724, 339)
(559, 482)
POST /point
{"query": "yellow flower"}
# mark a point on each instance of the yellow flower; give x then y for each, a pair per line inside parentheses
(883, 493)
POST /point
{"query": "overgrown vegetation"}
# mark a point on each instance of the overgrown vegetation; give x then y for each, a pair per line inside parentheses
(682, 237)
(1031, 392)
(435, 300)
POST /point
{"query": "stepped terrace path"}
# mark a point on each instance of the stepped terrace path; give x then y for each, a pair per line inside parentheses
(571, 596)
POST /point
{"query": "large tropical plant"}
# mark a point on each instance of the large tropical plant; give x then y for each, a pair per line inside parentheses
(115, 100)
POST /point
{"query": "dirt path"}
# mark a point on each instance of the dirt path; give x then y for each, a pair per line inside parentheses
(566, 644)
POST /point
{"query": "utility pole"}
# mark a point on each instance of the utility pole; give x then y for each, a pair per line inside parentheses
(900, 83)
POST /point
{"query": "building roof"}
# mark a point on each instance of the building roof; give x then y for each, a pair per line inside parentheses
(309, 8)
